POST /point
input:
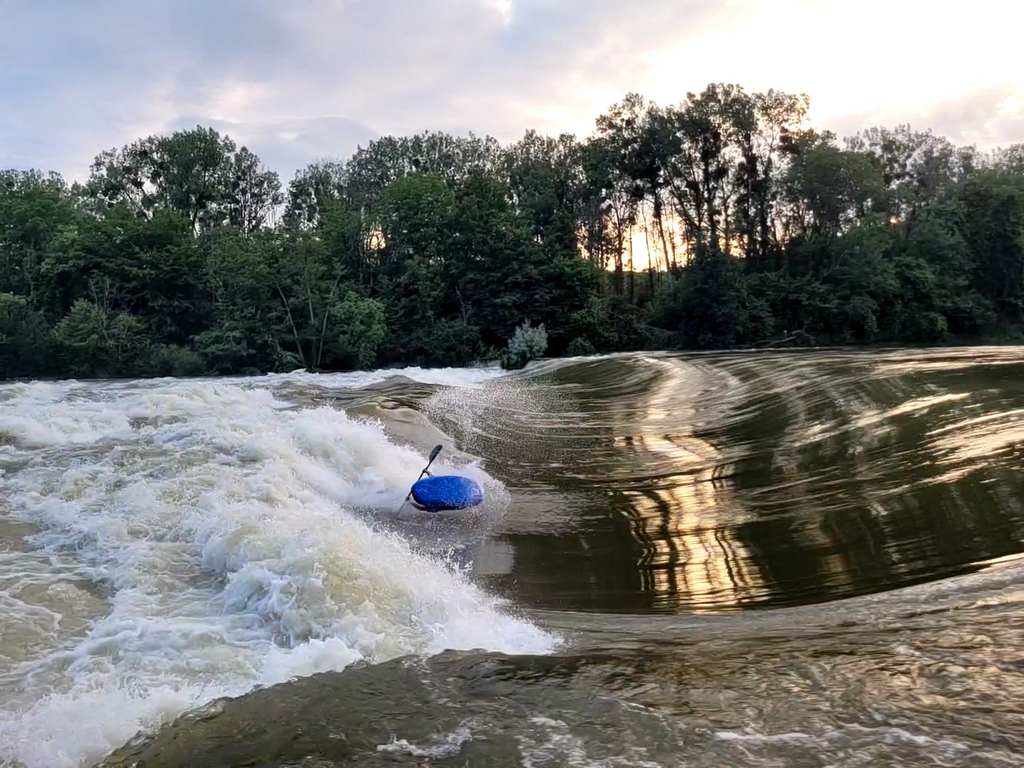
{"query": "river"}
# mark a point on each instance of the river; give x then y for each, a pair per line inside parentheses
(808, 558)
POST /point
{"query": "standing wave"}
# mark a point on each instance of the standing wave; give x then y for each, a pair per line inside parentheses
(185, 541)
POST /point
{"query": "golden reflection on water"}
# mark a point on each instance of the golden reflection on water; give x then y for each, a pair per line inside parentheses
(677, 521)
(964, 444)
(686, 555)
(837, 501)
(688, 482)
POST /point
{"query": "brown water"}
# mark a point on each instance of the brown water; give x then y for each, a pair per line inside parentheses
(677, 484)
(763, 559)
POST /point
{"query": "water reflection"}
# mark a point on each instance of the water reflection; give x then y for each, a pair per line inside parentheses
(700, 485)
(709, 482)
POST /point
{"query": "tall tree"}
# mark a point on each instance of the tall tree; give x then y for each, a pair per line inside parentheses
(643, 140)
(610, 206)
(313, 189)
(36, 214)
(829, 188)
(546, 182)
(709, 126)
(254, 194)
(993, 225)
(762, 142)
(195, 172)
(918, 167)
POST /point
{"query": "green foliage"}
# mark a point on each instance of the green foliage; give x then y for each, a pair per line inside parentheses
(802, 304)
(831, 188)
(172, 360)
(24, 338)
(926, 326)
(197, 173)
(432, 249)
(609, 323)
(710, 306)
(970, 314)
(527, 343)
(580, 347)
(362, 329)
(993, 225)
(95, 341)
(227, 350)
(452, 343)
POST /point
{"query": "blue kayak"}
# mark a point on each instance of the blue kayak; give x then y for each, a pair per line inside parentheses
(446, 492)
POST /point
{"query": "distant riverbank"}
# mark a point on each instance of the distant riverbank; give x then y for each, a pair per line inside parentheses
(722, 222)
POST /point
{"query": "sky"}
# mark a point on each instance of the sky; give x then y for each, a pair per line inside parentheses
(302, 80)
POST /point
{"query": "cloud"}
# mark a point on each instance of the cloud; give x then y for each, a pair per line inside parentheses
(992, 117)
(292, 143)
(300, 81)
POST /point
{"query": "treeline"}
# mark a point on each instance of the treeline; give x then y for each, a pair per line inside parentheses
(721, 221)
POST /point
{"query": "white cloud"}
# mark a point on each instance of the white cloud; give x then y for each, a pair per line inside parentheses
(298, 81)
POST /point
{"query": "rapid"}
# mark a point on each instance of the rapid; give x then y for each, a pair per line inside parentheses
(805, 558)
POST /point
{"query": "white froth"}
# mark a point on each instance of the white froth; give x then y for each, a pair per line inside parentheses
(553, 743)
(211, 526)
(452, 377)
(442, 745)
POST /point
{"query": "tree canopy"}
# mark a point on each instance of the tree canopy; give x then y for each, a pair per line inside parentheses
(718, 221)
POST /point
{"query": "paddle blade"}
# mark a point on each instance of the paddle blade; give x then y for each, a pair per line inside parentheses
(433, 454)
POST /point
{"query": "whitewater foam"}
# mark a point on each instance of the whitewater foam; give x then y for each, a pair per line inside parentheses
(215, 523)
(451, 377)
(441, 746)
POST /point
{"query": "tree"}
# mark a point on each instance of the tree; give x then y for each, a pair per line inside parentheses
(361, 329)
(545, 181)
(149, 268)
(24, 338)
(828, 188)
(993, 226)
(918, 168)
(307, 282)
(195, 172)
(709, 125)
(255, 192)
(643, 140)
(247, 327)
(762, 144)
(709, 306)
(1010, 159)
(36, 212)
(609, 208)
(415, 219)
(313, 190)
(433, 248)
(384, 161)
(96, 341)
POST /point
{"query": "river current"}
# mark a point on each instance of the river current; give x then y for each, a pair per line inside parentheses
(810, 558)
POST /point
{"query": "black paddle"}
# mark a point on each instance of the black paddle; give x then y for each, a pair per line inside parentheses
(433, 455)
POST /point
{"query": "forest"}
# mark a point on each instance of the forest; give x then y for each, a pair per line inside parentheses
(719, 222)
